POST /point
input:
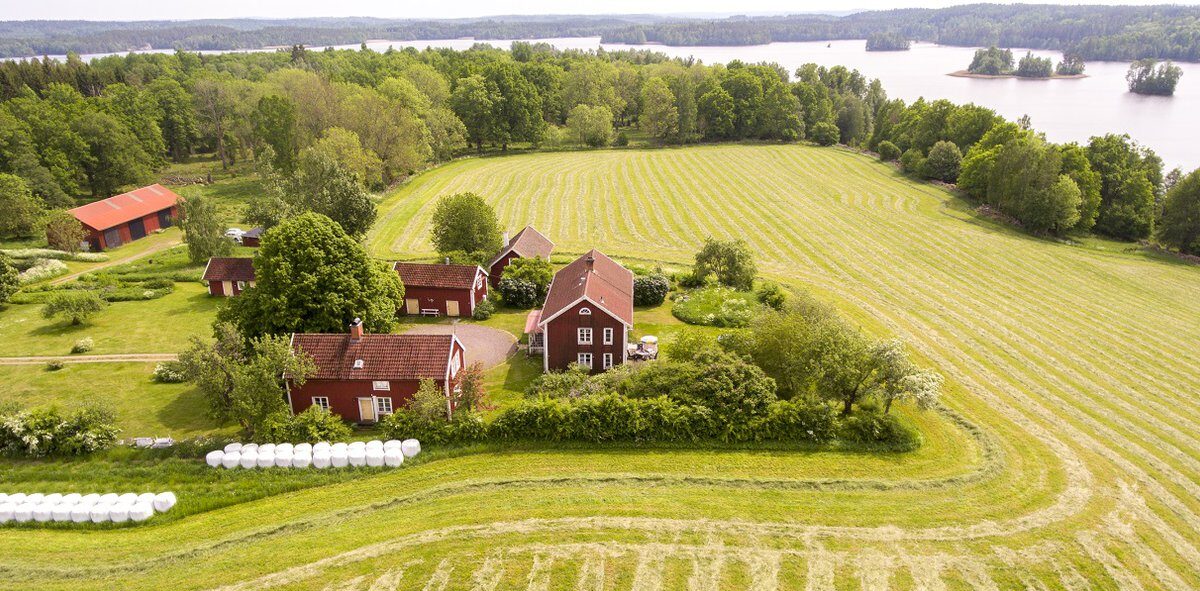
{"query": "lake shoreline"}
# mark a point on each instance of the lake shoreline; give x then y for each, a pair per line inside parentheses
(966, 74)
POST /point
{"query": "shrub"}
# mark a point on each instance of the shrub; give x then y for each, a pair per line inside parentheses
(159, 283)
(789, 420)
(716, 306)
(54, 365)
(771, 294)
(880, 430)
(689, 279)
(535, 270)
(518, 293)
(912, 161)
(825, 133)
(75, 307)
(43, 269)
(313, 425)
(943, 162)
(887, 151)
(83, 345)
(49, 253)
(650, 290)
(484, 310)
(622, 139)
(405, 424)
(48, 432)
(169, 372)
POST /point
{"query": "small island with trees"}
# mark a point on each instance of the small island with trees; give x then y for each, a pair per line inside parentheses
(888, 41)
(1148, 76)
(994, 62)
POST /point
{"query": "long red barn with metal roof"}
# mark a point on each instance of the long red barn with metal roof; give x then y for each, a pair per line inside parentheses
(111, 222)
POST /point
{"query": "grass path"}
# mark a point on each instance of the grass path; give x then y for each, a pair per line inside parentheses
(136, 250)
(126, 358)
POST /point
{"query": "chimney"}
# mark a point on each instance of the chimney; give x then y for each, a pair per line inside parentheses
(591, 263)
(506, 237)
(356, 330)
(447, 260)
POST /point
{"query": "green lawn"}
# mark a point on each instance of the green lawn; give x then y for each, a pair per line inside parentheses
(1067, 459)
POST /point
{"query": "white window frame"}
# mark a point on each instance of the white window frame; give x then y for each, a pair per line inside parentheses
(581, 338)
(579, 358)
(241, 285)
(381, 385)
(383, 405)
(607, 361)
(321, 401)
(608, 336)
(585, 311)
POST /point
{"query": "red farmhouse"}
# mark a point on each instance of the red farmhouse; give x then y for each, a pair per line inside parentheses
(528, 243)
(363, 377)
(442, 290)
(228, 276)
(126, 217)
(588, 314)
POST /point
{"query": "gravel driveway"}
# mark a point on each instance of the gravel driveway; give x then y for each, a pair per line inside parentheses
(489, 346)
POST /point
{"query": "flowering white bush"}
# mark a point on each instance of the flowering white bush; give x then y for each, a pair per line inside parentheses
(169, 373)
(47, 253)
(83, 345)
(43, 269)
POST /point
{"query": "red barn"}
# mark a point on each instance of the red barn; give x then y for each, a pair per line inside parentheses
(442, 290)
(588, 314)
(363, 377)
(228, 276)
(528, 243)
(111, 222)
(251, 237)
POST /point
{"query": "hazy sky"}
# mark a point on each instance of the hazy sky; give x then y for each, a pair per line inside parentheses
(192, 9)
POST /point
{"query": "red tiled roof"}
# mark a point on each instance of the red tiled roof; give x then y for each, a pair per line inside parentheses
(125, 207)
(384, 356)
(435, 275)
(229, 269)
(608, 285)
(528, 243)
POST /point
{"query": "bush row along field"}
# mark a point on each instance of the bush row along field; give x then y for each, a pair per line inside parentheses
(1073, 361)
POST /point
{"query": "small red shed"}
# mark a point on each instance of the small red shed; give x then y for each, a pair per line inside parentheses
(442, 290)
(111, 222)
(363, 377)
(228, 276)
(251, 237)
(588, 314)
(528, 243)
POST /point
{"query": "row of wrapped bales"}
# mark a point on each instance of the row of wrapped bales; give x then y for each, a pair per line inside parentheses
(320, 455)
(80, 508)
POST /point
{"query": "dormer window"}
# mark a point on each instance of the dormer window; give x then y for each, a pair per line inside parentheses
(585, 311)
(358, 364)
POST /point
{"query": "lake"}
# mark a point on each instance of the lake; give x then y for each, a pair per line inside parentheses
(1065, 110)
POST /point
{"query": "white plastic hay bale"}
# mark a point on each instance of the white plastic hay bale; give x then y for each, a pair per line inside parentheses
(284, 447)
(302, 448)
(266, 448)
(24, 512)
(375, 457)
(127, 498)
(71, 499)
(393, 457)
(6, 511)
(62, 512)
(3, 497)
(357, 457)
(250, 447)
(321, 446)
(43, 512)
(108, 498)
(35, 498)
(322, 460)
(266, 459)
(164, 501)
(213, 458)
(81, 513)
(232, 459)
(283, 459)
(53, 498)
(16, 498)
(89, 499)
(339, 446)
(357, 445)
(99, 512)
(249, 459)
(338, 459)
(232, 447)
(301, 460)
(391, 444)
(141, 512)
(119, 513)
(374, 444)
(410, 447)
(145, 498)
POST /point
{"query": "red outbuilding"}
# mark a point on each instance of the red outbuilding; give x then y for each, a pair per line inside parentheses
(111, 222)
(588, 315)
(228, 276)
(528, 243)
(251, 237)
(442, 290)
(363, 377)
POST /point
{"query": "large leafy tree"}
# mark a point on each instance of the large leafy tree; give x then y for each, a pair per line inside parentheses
(730, 261)
(473, 101)
(321, 185)
(591, 125)
(178, 117)
(63, 231)
(466, 223)
(518, 117)
(660, 117)
(1130, 178)
(311, 276)
(202, 229)
(1180, 227)
(275, 127)
(114, 157)
(22, 211)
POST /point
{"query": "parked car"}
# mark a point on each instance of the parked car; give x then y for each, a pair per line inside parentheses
(235, 234)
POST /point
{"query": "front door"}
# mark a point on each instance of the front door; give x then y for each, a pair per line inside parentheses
(452, 307)
(366, 410)
(112, 238)
(412, 306)
(137, 229)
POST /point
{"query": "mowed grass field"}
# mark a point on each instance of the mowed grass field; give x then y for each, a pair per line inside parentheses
(1067, 457)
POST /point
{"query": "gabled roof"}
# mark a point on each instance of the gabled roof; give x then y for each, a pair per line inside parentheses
(606, 285)
(528, 243)
(383, 356)
(440, 276)
(229, 269)
(116, 210)
(253, 233)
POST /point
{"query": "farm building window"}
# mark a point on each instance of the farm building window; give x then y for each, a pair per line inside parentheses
(585, 336)
(607, 361)
(381, 385)
(241, 285)
(584, 359)
(383, 406)
(585, 311)
(321, 402)
(608, 336)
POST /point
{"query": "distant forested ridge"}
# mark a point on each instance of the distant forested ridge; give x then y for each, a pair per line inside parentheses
(1091, 32)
